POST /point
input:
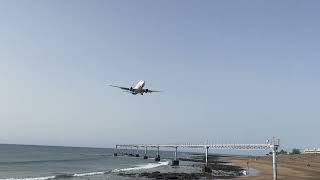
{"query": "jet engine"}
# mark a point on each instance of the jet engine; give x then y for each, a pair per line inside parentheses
(131, 89)
(147, 90)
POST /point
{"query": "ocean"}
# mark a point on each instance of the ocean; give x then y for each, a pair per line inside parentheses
(28, 162)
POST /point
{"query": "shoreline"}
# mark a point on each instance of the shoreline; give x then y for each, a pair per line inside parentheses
(215, 169)
(293, 167)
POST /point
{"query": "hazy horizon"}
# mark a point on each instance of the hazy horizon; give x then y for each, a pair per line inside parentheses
(231, 72)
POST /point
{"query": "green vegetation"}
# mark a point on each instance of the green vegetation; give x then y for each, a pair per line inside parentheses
(295, 151)
(282, 152)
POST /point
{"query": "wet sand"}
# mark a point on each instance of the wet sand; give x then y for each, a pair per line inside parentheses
(292, 167)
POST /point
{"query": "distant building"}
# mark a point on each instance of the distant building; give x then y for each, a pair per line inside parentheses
(311, 151)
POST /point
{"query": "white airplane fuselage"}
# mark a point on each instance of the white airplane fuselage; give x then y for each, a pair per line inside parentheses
(138, 88)
(139, 85)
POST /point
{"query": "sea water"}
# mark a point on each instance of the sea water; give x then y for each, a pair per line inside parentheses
(27, 162)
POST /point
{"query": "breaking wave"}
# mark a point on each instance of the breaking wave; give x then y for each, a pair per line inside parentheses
(60, 176)
(89, 174)
(37, 178)
(139, 167)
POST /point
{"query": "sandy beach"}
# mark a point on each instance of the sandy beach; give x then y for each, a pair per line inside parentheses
(304, 166)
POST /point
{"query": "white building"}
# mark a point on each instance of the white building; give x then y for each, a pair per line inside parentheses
(311, 151)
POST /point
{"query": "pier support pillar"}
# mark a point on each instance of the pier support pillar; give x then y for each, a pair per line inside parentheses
(145, 153)
(157, 158)
(137, 154)
(116, 151)
(207, 149)
(274, 147)
(274, 162)
(158, 155)
(175, 162)
(206, 168)
(131, 152)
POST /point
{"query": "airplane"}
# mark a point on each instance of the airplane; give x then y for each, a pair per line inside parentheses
(137, 89)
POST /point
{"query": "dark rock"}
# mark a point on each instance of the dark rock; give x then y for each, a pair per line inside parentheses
(215, 169)
(175, 163)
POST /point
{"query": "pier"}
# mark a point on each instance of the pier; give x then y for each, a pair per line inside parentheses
(272, 145)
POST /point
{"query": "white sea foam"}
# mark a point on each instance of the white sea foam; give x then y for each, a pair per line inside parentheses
(88, 174)
(36, 178)
(59, 176)
(140, 167)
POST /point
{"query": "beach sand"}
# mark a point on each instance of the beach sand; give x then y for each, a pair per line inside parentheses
(293, 167)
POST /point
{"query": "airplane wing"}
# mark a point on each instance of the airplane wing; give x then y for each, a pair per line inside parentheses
(149, 91)
(123, 88)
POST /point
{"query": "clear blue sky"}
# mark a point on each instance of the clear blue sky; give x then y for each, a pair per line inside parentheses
(231, 71)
